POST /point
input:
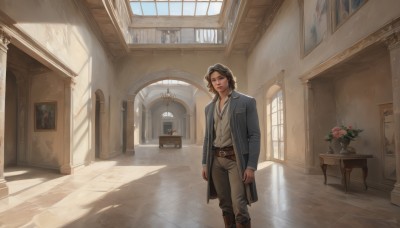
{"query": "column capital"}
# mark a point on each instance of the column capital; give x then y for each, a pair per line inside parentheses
(393, 40)
(70, 82)
(4, 39)
(308, 84)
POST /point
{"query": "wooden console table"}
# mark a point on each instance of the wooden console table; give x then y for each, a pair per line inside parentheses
(346, 162)
(175, 140)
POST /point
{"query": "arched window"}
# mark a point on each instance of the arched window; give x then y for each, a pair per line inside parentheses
(167, 115)
(277, 126)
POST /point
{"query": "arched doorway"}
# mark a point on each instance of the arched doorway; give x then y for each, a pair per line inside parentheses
(99, 124)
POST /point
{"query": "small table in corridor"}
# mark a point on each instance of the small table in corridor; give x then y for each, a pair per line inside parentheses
(346, 162)
(175, 140)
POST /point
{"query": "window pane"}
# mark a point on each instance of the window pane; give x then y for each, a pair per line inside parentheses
(215, 8)
(282, 151)
(162, 8)
(149, 8)
(188, 8)
(136, 8)
(175, 8)
(274, 132)
(275, 149)
(281, 133)
(274, 105)
(201, 9)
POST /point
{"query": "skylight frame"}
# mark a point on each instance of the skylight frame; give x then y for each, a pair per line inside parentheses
(214, 7)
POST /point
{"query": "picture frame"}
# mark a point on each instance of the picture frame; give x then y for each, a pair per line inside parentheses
(343, 10)
(45, 116)
(314, 23)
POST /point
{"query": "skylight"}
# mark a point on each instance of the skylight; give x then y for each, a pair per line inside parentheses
(176, 7)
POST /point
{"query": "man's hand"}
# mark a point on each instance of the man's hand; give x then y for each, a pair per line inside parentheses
(248, 176)
(204, 173)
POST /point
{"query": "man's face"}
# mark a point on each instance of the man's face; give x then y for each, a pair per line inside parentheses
(219, 82)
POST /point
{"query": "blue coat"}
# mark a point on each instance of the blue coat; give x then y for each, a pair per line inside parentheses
(245, 132)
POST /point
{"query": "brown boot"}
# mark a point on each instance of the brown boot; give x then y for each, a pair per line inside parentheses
(243, 225)
(229, 220)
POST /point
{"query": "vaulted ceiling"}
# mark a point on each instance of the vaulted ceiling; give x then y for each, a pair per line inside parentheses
(254, 17)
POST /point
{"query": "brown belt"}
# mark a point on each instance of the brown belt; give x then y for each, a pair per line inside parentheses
(225, 152)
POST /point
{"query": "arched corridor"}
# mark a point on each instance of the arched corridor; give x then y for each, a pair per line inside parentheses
(163, 188)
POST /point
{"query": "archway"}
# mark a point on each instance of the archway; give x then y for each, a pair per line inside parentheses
(193, 118)
(99, 124)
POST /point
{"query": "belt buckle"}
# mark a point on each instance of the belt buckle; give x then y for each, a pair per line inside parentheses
(222, 153)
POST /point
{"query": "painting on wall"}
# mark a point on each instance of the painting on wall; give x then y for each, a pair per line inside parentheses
(315, 23)
(344, 8)
(45, 116)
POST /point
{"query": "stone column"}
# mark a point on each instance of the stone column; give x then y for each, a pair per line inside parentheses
(309, 145)
(22, 112)
(130, 129)
(193, 127)
(67, 163)
(393, 42)
(4, 41)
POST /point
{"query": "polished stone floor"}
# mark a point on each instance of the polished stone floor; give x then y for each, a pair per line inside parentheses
(163, 188)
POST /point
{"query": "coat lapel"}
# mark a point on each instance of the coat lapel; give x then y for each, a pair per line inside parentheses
(233, 102)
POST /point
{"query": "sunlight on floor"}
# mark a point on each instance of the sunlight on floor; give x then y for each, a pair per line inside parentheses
(263, 165)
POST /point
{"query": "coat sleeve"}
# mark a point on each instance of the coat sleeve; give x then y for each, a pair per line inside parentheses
(253, 132)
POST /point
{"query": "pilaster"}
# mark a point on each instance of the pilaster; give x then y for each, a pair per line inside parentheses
(393, 43)
(4, 41)
(309, 150)
(67, 159)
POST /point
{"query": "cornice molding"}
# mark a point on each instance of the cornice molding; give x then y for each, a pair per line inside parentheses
(37, 51)
(381, 36)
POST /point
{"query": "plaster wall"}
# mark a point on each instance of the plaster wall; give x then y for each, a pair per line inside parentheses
(280, 49)
(353, 98)
(357, 104)
(61, 29)
(46, 146)
(138, 70)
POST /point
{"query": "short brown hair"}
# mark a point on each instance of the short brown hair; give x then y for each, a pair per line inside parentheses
(224, 71)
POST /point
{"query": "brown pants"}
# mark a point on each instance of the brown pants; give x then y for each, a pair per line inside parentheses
(230, 188)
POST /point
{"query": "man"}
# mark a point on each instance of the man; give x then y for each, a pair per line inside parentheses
(231, 147)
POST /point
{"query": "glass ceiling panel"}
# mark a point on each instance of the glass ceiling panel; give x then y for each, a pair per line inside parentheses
(201, 9)
(162, 8)
(176, 7)
(149, 8)
(188, 8)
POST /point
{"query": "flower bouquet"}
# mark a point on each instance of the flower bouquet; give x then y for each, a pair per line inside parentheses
(343, 135)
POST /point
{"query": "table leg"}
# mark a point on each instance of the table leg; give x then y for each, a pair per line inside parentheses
(347, 172)
(365, 174)
(323, 167)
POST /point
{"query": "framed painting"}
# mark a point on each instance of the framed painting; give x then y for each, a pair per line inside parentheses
(343, 9)
(315, 23)
(45, 116)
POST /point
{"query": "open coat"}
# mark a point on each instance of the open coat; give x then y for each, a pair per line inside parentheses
(245, 133)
